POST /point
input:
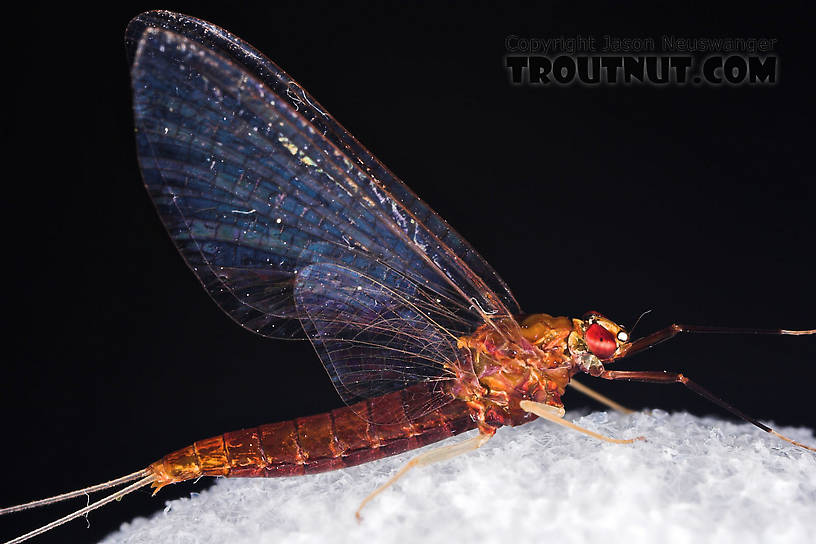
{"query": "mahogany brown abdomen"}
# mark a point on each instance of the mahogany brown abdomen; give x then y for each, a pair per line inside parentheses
(318, 443)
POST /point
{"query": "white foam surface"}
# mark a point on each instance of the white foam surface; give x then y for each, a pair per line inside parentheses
(694, 480)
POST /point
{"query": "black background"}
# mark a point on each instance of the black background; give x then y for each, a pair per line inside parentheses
(696, 203)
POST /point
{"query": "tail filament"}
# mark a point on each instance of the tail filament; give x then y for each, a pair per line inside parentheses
(143, 477)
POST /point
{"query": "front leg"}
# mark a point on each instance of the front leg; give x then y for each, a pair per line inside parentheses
(662, 376)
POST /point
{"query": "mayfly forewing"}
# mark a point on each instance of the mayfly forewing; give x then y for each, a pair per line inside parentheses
(225, 167)
(255, 181)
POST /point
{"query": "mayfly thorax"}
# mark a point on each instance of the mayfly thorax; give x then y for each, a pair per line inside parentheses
(297, 231)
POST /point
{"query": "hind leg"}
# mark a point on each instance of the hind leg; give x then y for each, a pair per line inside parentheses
(433, 456)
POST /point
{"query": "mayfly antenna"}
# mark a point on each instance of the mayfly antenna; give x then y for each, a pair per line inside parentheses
(632, 330)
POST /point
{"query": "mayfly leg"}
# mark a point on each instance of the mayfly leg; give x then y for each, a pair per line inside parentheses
(662, 376)
(429, 457)
(603, 399)
(556, 415)
(671, 331)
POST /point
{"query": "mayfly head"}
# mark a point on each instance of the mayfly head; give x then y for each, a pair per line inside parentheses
(594, 340)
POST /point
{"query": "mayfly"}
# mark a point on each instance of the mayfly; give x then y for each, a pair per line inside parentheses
(296, 230)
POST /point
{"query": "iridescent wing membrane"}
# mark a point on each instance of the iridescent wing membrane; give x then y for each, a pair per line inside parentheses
(290, 224)
(378, 333)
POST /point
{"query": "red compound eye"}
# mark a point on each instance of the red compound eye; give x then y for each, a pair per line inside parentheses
(601, 342)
